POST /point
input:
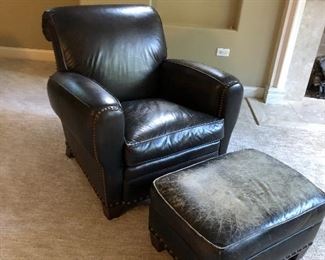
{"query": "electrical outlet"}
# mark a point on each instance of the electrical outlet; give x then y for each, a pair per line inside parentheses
(223, 52)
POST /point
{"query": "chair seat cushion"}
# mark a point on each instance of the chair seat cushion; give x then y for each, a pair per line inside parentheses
(156, 128)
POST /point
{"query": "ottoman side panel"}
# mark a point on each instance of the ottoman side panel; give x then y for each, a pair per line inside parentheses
(186, 242)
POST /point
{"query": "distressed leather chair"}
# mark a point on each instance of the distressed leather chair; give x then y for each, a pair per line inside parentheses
(129, 114)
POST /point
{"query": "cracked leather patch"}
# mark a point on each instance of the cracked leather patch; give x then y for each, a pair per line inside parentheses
(231, 198)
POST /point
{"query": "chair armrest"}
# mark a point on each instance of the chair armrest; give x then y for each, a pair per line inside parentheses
(205, 89)
(95, 119)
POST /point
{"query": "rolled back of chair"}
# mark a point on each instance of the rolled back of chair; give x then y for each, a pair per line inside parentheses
(118, 46)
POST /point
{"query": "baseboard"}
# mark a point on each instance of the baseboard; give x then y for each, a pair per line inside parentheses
(275, 96)
(252, 91)
(26, 54)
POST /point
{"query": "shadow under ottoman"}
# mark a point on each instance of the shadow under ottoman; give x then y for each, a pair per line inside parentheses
(244, 205)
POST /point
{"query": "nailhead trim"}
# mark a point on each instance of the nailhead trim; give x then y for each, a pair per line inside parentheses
(171, 252)
(221, 103)
(298, 251)
(96, 117)
(135, 201)
(117, 203)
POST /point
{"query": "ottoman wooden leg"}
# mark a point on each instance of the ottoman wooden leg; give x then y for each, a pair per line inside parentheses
(156, 242)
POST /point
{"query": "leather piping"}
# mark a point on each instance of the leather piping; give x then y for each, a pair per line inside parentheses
(157, 235)
(175, 153)
(173, 132)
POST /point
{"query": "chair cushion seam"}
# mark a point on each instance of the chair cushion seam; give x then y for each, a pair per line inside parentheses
(173, 132)
(217, 141)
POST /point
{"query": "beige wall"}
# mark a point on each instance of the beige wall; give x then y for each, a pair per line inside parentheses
(20, 22)
(252, 43)
(251, 46)
(199, 13)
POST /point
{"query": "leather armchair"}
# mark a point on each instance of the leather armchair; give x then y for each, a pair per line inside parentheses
(129, 114)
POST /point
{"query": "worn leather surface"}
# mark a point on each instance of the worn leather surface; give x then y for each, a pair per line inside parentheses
(205, 89)
(239, 204)
(112, 54)
(121, 47)
(156, 129)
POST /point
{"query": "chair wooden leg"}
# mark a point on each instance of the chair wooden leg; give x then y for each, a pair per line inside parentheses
(68, 151)
(115, 212)
(156, 242)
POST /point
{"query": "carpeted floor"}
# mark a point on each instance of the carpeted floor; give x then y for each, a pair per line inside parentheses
(49, 211)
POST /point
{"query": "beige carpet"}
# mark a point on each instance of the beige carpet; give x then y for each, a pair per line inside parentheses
(308, 113)
(47, 208)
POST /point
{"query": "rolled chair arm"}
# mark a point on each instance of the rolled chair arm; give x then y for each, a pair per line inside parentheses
(96, 120)
(205, 89)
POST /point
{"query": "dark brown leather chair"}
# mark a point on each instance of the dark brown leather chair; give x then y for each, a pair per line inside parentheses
(129, 114)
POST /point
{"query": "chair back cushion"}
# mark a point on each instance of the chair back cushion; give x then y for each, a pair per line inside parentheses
(119, 46)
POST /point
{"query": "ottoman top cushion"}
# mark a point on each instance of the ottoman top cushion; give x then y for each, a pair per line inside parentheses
(239, 195)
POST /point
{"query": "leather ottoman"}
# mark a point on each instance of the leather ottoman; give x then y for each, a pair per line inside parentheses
(244, 205)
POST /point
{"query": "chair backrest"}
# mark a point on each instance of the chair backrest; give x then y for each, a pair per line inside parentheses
(119, 46)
